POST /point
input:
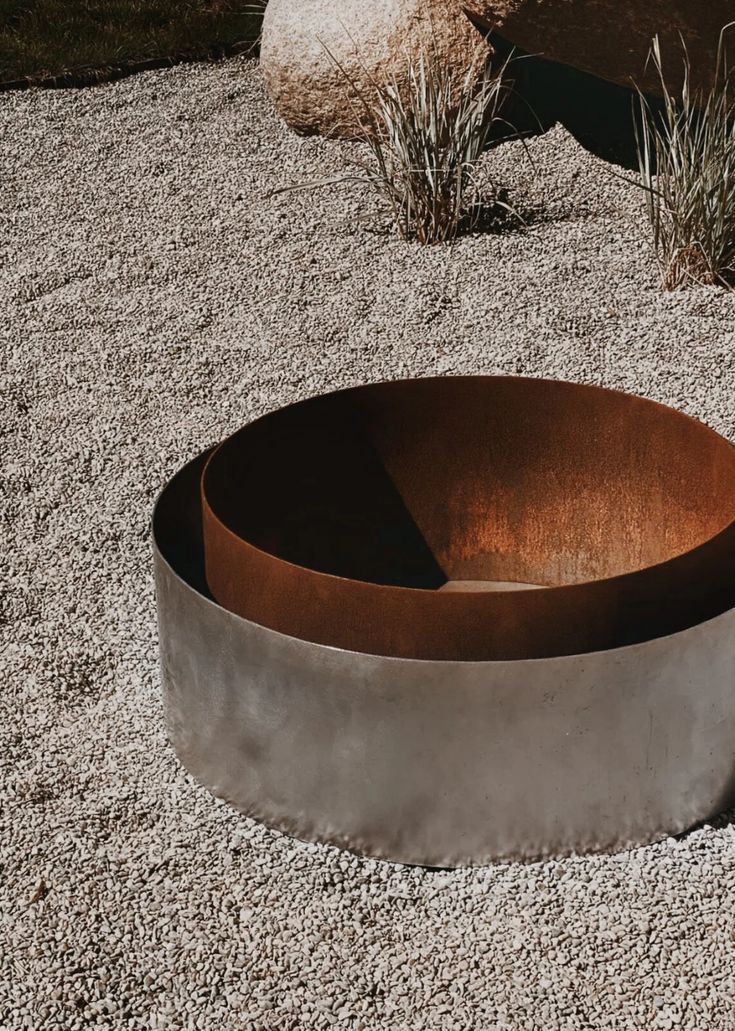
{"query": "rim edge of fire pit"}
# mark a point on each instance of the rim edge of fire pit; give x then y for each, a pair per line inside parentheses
(654, 599)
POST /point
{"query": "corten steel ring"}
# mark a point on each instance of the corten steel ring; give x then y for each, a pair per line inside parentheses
(452, 620)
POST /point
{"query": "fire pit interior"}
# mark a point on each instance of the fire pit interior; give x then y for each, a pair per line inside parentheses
(411, 519)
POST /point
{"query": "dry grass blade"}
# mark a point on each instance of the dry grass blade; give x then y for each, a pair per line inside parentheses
(686, 158)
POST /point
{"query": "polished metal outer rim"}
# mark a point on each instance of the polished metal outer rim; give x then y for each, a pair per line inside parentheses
(439, 763)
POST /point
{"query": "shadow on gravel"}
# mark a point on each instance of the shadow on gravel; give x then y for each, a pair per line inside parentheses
(502, 217)
(487, 218)
(600, 115)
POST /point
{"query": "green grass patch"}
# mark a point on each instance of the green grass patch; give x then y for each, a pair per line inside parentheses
(91, 39)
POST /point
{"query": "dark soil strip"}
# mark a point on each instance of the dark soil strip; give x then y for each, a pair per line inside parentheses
(83, 77)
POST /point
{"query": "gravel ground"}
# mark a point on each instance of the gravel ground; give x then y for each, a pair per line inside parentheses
(153, 299)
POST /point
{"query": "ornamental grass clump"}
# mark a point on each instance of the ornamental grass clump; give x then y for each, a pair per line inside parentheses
(686, 157)
(425, 138)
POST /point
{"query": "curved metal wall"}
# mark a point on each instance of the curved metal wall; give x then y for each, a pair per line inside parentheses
(441, 763)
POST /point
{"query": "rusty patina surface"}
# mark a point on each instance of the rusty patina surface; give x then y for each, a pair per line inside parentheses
(342, 519)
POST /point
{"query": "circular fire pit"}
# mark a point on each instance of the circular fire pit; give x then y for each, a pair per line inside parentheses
(450, 620)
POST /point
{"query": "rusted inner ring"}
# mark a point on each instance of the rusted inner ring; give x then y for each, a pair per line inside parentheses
(340, 520)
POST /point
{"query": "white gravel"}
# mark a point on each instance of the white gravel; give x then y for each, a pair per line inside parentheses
(153, 299)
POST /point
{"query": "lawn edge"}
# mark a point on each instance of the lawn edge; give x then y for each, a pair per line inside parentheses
(81, 78)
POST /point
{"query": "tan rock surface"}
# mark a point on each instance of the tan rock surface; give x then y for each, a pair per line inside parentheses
(369, 39)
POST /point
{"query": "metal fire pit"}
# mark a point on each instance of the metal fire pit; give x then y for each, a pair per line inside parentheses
(452, 620)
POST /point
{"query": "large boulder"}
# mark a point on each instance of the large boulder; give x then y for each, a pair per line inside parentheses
(305, 42)
(611, 39)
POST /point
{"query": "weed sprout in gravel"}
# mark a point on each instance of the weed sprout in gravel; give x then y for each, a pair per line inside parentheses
(686, 156)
